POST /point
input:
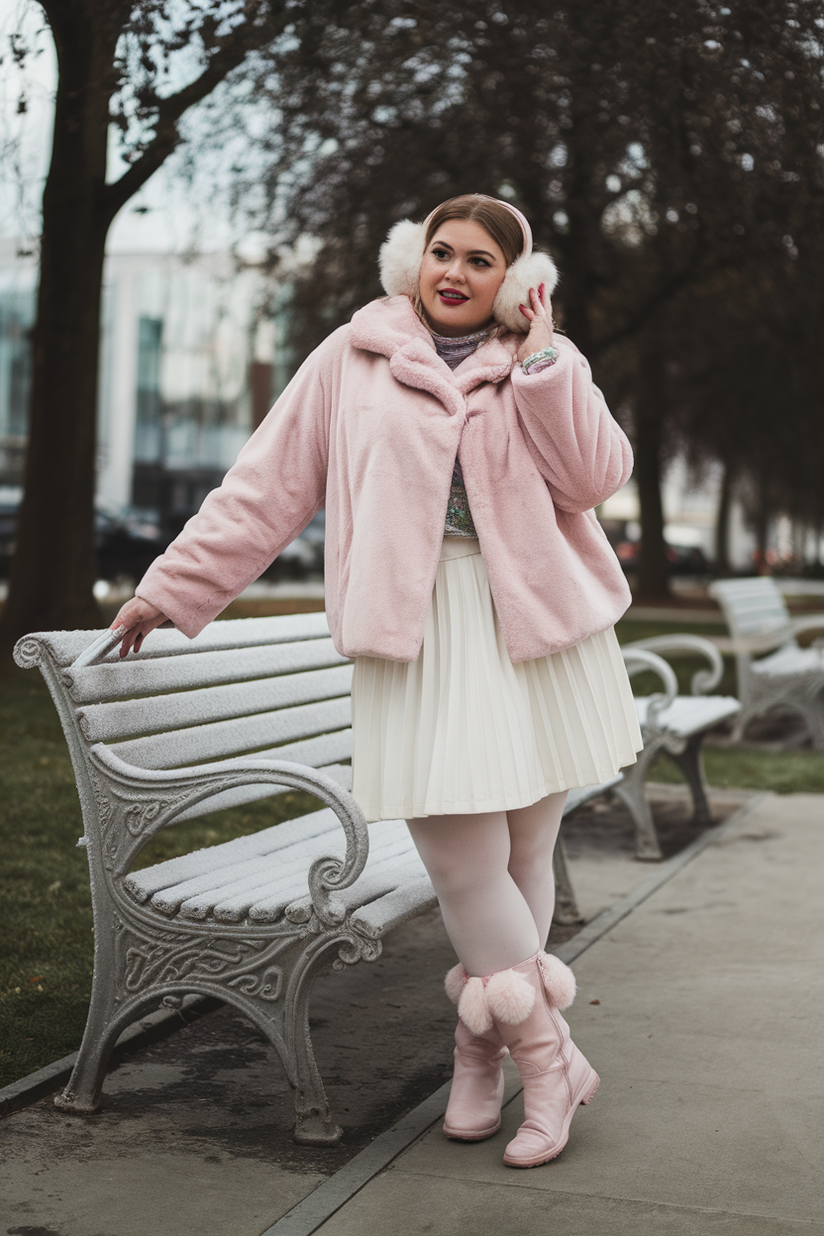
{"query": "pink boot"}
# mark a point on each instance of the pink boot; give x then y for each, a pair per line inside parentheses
(522, 1004)
(474, 1109)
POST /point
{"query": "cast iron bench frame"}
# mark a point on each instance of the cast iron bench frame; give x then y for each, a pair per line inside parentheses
(213, 923)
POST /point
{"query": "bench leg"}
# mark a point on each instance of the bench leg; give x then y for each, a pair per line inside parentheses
(692, 767)
(566, 906)
(103, 1025)
(314, 1125)
(103, 1028)
(811, 710)
(631, 793)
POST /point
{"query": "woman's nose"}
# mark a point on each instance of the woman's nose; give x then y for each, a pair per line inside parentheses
(455, 270)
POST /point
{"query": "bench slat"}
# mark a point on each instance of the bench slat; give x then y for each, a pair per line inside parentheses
(229, 902)
(790, 661)
(66, 646)
(369, 886)
(103, 722)
(127, 679)
(222, 738)
(225, 879)
(142, 884)
(273, 895)
(268, 873)
(690, 714)
(388, 912)
(241, 794)
(752, 606)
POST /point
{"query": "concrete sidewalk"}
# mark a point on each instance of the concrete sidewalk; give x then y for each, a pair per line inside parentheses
(703, 1012)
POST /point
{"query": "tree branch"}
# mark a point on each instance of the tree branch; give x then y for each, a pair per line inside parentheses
(639, 319)
(234, 50)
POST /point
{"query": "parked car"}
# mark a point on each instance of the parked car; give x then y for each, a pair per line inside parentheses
(126, 543)
(683, 559)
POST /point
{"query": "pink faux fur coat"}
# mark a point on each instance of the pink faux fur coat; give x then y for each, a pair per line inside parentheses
(369, 428)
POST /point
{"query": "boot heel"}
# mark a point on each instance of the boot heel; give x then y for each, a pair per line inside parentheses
(585, 1102)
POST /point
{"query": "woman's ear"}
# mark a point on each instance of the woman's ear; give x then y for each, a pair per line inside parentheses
(523, 274)
(400, 258)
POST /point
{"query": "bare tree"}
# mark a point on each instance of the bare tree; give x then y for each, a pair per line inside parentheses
(116, 65)
(659, 150)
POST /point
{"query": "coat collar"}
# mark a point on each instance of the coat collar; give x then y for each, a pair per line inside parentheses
(391, 327)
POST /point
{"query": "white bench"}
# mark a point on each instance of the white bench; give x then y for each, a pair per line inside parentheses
(248, 709)
(789, 676)
(673, 725)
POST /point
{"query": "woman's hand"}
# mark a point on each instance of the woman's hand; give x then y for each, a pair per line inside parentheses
(539, 315)
(139, 617)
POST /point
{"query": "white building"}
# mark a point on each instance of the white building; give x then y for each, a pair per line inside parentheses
(188, 369)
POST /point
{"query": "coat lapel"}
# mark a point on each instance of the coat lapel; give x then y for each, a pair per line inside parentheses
(391, 327)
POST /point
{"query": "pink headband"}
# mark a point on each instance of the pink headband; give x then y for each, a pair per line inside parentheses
(525, 228)
(513, 210)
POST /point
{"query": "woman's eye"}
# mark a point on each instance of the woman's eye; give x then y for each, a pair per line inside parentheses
(479, 261)
(440, 253)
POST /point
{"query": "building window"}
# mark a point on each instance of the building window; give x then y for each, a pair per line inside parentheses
(148, 445)
(16, 316)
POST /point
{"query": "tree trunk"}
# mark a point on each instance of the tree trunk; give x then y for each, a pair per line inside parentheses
(761, 527)
(53, 568)
(722, 523)
(653, 566)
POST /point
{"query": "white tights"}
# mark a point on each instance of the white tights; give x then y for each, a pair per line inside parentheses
(492, 872)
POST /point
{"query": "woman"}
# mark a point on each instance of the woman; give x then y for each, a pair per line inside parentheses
(459, 448)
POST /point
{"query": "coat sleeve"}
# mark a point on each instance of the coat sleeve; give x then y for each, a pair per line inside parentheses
(267, 498)
(580, 450)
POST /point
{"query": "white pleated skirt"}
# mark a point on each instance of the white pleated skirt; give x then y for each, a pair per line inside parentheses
(461, 729)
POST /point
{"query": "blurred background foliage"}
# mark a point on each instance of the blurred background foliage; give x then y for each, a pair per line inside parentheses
(670, 156)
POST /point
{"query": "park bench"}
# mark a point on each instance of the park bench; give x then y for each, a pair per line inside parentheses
(248, 709)
(675, 726)
(788, 677)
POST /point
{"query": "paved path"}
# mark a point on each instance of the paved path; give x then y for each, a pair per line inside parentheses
(708, 1037)
(707, 1034)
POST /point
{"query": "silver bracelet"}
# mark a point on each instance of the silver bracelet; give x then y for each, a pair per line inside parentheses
(549, 355)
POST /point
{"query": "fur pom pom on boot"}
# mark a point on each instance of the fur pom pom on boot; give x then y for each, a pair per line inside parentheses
(504, 995)
(454, 982)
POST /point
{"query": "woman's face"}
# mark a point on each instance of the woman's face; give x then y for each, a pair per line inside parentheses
(461, 272)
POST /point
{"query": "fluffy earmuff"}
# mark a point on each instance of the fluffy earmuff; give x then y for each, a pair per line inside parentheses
(400, 260)
(523, 274)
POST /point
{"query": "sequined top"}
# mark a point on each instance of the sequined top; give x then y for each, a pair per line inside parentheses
(453, 351)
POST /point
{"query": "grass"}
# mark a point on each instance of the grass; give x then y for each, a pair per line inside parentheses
(740, 768)
(45, 912)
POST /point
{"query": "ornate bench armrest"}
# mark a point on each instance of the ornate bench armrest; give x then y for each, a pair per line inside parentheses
(183, 787)
(703, 680)
(637, 660)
